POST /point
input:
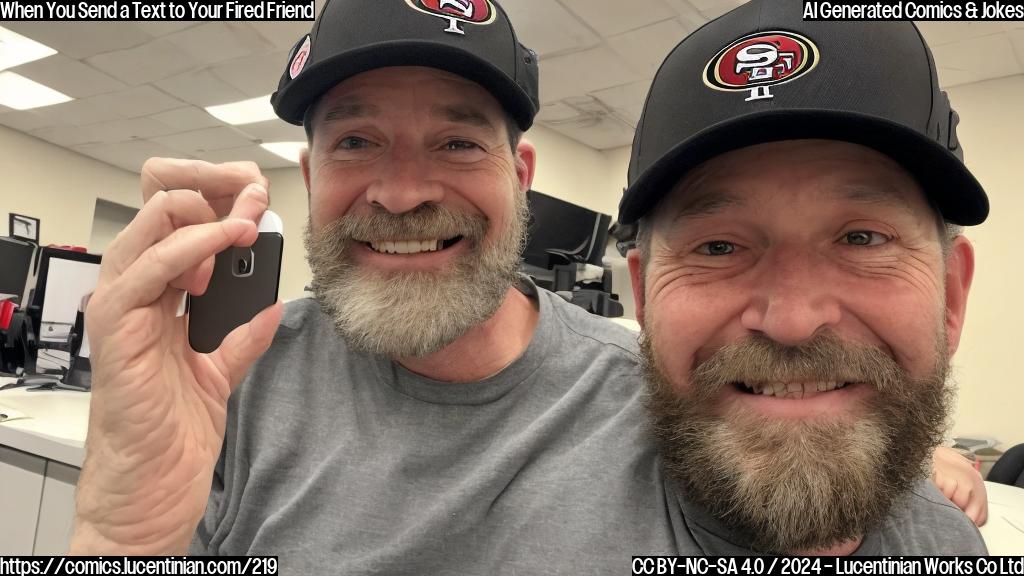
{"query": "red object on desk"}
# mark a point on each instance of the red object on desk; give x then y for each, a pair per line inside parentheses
(6, 312)
(69, 248)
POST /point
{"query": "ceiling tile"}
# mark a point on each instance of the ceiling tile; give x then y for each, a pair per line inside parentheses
(602, 133)
(273, 131)
(711, 9)
(939, 33)
(254, 75)
(282, 35)
(1017, 39)
(69, 76)
(627, 100)
(65, 135)
(646, 48)
(24, 120)
(610, 17)
(160, 28)
(689, 14)
(130, 129)
(79, 112)
(186, 118)
(216, 42)
(949, 77)
(128, 155)
(201, 88)
(82, 39)
(548, 28)
(985, 57)
(198, 141)
(152, 61)
(556, 112)
(135, 102)
(583, 72)
(265, 159)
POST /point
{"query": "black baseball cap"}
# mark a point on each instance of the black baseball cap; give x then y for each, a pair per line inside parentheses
(471, 38)
(760, 73)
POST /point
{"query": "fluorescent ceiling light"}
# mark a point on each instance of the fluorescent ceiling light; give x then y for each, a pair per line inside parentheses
(15, 49)
(244, 112)
(20, 93)
(288, 150)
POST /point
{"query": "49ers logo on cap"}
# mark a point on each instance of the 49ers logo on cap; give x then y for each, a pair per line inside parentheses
(456, 11)
(757, 62)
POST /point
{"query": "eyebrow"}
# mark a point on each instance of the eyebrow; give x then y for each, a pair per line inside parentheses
(707, 204)
(874, 193)
(462, 114)
(351, 110)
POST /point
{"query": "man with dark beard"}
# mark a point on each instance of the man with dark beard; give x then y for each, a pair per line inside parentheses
(802, 282)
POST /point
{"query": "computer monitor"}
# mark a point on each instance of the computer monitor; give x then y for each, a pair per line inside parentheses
(559, 225)
(15, 265)
(66, 279)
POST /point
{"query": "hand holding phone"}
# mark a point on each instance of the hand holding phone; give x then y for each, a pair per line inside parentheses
(244, 282)
(158, 408)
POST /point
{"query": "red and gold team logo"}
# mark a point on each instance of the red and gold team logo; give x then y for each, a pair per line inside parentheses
(757, 62)
(457, 11)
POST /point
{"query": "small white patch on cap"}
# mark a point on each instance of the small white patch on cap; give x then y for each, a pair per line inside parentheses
(299, 60)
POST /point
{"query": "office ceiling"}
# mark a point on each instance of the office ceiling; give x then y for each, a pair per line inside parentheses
(140, 87)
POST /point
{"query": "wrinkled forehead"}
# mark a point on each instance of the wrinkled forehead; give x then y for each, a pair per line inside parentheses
(831, 173)
(396, 89)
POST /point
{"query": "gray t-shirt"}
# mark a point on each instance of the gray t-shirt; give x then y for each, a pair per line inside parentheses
(348, 464)
(924, 523)
(344, 463)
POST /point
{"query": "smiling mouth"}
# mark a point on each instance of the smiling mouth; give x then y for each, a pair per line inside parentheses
(412, 246)
(790, 390)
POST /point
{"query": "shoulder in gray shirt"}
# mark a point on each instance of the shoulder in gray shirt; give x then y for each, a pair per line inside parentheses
(340, 462)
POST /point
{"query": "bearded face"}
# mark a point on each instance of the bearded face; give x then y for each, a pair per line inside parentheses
(798, 321)
(789, 485)
(409, 313)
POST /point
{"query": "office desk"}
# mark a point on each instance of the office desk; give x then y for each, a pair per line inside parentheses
(55, 427)
(40, 457)
(1004, 531)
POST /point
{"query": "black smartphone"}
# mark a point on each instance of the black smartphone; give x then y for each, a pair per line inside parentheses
(244, 282)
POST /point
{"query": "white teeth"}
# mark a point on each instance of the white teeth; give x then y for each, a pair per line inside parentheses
(406, 246)
(793, 389)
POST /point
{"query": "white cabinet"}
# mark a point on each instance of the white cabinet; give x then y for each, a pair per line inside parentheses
(37, 500)
(56, 510)
(21, 488)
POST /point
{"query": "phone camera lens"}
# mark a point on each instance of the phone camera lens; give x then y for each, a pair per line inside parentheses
(243, 266)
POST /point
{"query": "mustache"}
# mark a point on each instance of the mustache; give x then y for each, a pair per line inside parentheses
(425, 221)
(827, 358)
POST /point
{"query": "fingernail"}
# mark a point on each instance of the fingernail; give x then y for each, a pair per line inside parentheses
(258, 188)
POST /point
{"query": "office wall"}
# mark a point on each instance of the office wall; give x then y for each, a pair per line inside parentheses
(991, 386)
(108, 220)
(58, 186)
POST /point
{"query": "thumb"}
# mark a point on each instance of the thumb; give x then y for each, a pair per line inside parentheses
(246, 343)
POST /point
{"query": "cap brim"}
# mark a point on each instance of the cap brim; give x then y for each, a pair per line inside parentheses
(291, 102)
(944, 179)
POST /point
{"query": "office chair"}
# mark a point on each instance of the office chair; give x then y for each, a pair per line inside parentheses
(1009, 469)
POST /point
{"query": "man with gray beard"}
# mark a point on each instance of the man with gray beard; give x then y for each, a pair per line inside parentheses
(413, 313)
(802, 282)
(429, 411)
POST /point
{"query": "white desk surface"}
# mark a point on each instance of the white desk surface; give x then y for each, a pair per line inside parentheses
(1004, 531)
(54, 425)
